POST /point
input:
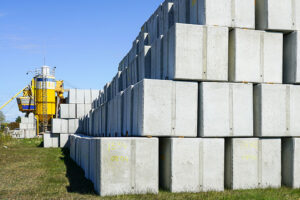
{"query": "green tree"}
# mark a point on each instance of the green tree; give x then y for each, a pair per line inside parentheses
(18, 120)
(2, 117)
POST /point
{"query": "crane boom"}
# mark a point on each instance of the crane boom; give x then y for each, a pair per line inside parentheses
(12, 98)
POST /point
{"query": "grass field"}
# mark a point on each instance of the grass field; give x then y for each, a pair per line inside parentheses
(28, 171)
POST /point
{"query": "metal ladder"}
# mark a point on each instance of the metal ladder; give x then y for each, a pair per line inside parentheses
(44, 105)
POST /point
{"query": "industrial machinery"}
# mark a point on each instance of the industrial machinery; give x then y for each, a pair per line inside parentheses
(42, 97)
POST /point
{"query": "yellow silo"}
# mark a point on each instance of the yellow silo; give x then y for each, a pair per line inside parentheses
(45, 96)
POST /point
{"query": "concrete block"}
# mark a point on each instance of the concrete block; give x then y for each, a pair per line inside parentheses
(24, 120)
(276, 110)
(279, 16)
(72, 147)
(144, 63)
(72, 96)
(64, 126)
(291, 162)
(51, 140)
(168, 16)
(191, 164)
(127, 166)
(23, 126)
(94, 95)
(64, 111)
(156, 63)
(72, 111)
(165, 108)
(87, 97)
(128, 110)
(73, 125)
(85, 155)
(56, 125)
(47, 140)
(228, 13)
(291, 58)
(226, 109)
(87, 108)
(80, 110)
(103, 119)
(192, 53)
(255, 56)
(252, 163)
(269, 156)
(241, 163)
(80, 96)
(64, 141)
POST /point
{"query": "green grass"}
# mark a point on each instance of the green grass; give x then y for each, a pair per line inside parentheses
(28, 171)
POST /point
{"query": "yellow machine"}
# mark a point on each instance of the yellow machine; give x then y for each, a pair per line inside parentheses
(40, 97)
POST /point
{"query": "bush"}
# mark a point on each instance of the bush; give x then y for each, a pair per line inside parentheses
(4, 138)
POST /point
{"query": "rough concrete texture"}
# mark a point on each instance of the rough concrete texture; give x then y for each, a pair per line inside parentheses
(80, 110)
(255, 56)
(56, 125)
(269, 155)
(80, 94)
(291, 162)
(64, 111)
(291, 58)
(225, 109)
(165, 108)
(50, 140)
(191, 164)
(128, 109)
(64, 126)
(127, 166)
(73, 125)
(278, 15)
(156, 59)
(252, 163)
(229, 13)
(64, 141)
(72, 96)
(276, 110)
(72, 111)
(192, 53)
(241, 163)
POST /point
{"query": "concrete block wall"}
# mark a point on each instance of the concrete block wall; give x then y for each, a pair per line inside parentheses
(118, 165)
(225, 80)
(27, 127)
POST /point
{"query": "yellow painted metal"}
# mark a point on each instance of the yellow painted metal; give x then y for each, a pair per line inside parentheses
(43, 103)
(12, 98)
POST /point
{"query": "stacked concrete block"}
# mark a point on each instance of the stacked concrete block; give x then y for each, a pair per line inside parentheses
(255, 56)
(276, 110)
(165, 108)
(144, 63)
(27, 127)
(51, 140)
(64, 141)
(127, 100)
(65, 126)
(68, 111)
(291, 58)
(191, 164)
(229, 13)
(291, 162)
(125, 166)
(278, 15)
(252, 163)
(225, 109)
(197, 53)
(156, 64)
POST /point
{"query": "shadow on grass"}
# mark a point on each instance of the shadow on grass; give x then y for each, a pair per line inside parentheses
(78, 182)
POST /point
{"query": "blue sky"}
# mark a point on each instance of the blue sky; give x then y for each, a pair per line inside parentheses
(84, 39)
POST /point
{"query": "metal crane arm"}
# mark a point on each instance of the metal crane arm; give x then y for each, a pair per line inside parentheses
(12, 98)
